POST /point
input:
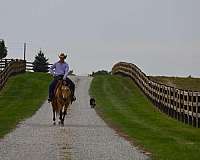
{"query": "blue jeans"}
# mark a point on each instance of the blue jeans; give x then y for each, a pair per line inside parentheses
(52, 87)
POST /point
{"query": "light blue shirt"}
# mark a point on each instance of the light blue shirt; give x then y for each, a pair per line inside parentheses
(59, 68)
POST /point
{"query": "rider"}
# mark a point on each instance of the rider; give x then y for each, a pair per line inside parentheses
(60, 70)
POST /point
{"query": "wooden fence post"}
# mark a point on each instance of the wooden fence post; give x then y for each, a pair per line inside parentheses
(192, 109)
(188, 109)
(197, 110)
(184, 102)
(174, 102)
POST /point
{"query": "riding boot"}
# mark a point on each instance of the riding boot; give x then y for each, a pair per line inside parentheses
(73, 98)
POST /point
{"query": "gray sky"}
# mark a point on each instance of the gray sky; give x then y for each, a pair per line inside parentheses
(162, 37)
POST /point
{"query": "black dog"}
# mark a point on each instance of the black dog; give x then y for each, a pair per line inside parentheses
(92, 102)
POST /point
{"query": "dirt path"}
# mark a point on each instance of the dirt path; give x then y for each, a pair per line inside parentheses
(85, 136)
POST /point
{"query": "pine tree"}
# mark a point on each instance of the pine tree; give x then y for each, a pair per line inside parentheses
(3, 49)
(40, 63)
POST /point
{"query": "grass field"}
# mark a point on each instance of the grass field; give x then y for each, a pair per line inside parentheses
(20, 98)
(124, 107)
(179, 82)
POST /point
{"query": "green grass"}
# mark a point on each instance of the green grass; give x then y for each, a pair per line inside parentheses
(20, 98)
(179, 82)
(123, 106)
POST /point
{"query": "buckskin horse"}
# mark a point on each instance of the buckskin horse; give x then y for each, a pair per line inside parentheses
(61, 101)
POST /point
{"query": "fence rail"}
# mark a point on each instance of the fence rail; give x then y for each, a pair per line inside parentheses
(4, 63)
(183, 105)
(29, 66)
(10, 67)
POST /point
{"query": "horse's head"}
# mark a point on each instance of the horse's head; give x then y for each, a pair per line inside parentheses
(65, 92)
(62, 91)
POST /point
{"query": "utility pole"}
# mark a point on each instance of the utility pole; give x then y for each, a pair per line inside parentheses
(24, 51)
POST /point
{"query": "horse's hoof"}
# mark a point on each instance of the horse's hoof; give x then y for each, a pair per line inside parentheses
(62, 123)
(54, 123)
(59, 122)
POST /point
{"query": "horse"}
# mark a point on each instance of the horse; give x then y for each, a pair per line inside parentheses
(60, 101)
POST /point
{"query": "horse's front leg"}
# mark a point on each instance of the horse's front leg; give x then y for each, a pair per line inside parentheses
(65, 111)
(54, 112)
(54, 117)
(60, 116)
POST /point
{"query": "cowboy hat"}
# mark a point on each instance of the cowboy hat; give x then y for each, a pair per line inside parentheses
(62, 55)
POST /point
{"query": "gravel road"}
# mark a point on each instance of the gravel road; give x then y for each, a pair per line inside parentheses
(85, 135)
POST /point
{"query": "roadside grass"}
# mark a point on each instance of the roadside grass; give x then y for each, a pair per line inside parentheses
(125, 108)
(22, 95)
(186, 83)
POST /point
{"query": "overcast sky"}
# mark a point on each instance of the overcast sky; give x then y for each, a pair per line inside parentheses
(162, 37)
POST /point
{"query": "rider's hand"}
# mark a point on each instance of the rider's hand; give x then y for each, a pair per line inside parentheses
(64, 82)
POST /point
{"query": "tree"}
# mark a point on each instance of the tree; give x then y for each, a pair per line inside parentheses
(101, 72)
(3, 49)
(40, 63)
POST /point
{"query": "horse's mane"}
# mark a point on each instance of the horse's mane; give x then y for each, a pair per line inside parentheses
(57, 90)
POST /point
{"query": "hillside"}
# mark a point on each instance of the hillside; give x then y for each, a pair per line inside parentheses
(22, 95)
(186, 83)
(124, 107)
